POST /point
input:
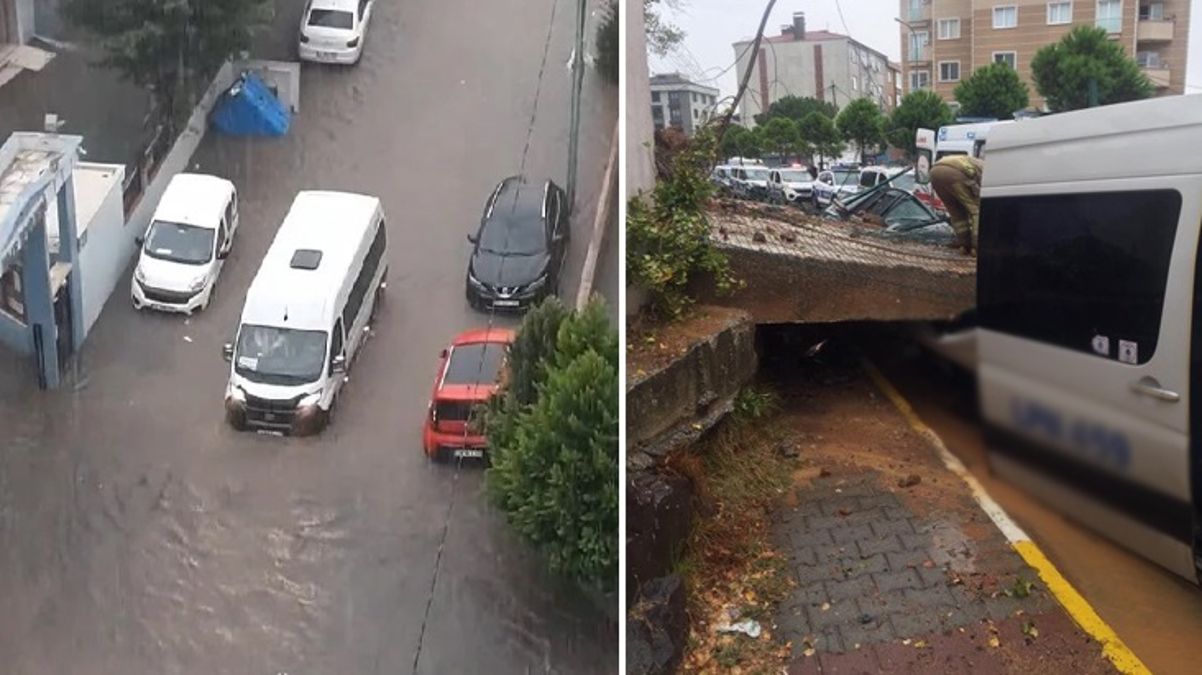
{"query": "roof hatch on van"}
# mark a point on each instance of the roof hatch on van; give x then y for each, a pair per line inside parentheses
(305, 259)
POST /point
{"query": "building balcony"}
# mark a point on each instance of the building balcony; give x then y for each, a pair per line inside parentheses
(1155, 30)
(1159, 75)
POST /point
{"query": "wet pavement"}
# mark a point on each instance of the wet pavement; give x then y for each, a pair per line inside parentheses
(139, 533)
(1156, 613)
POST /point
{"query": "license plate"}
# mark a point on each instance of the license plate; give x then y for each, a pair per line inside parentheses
(326, 55)
(469, 453)
(505, 303)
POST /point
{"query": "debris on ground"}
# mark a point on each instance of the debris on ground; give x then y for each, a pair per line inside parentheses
(749, 627)
(909, 481)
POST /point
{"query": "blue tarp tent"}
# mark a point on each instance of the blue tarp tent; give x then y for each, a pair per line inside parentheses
(250, 109)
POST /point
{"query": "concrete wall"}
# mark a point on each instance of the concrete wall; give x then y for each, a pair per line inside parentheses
(106, 242)
(673, 406)
(640, 165)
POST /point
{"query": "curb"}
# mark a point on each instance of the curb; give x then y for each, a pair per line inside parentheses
(1078, 608)
(588, 272)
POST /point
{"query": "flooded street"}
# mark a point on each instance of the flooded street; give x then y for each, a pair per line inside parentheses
(139, 533)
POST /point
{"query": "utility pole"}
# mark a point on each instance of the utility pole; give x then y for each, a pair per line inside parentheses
(577, 86)
(834, 101)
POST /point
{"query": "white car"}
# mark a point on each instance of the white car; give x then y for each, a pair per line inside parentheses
(333, 31)
(186, 245)
(789, 186)
(750, 182)
(839, 182)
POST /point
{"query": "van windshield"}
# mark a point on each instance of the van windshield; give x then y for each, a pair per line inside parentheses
(280, 356)
(177, 242)
(795, 175)
(756, 174)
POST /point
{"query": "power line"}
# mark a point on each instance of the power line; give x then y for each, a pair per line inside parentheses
(839, 7)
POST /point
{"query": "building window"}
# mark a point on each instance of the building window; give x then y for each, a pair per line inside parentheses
(1152, 12)
(1008, 58)
(1110, 15)
(855, 83)
(1148, 59)
(1005, 17)
(919, 79)
(949, 29)
(655, 97)
(1060, 13)
(694, 97)
(949, 71)
(915, 10)
(12, 294)
(918, 45)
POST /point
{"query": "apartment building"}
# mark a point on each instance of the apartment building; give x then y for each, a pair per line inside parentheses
(818, 64)
(943, 41)
(680, 103)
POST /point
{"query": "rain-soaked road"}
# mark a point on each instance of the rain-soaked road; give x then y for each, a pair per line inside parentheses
(139, 534)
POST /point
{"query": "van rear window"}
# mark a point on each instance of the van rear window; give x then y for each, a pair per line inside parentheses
(453, 411)
(1083, 271)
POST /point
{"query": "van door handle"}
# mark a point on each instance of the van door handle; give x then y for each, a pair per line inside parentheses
(1148, 386)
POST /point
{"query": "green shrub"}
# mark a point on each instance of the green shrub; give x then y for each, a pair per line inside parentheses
(555, 457)
(668, 236)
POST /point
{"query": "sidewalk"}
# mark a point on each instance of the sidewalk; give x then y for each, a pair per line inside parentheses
(897, 567)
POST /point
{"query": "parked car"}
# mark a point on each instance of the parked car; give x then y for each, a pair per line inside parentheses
(789, 186)
(333, 31)
(185, 247)
(722, 176)
(831, 184)
(470, 371)
(750, 182)
(519, 250)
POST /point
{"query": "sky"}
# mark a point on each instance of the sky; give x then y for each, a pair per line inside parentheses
(712, 26)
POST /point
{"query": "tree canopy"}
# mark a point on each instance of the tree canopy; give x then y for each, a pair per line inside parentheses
(994, 90)
(818, 134)
(170, 47)
(922, 109)
(739, 141)
(795, 108)
(862, 124)
(780, 136)
(1064, 71)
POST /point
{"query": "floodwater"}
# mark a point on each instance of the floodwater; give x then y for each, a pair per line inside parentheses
(139, 533)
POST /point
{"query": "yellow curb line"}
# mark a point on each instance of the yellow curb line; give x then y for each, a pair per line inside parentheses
(1113, 647)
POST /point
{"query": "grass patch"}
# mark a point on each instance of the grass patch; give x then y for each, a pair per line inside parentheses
(730, 566)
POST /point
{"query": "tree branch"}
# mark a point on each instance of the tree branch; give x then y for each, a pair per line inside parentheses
(755, 50)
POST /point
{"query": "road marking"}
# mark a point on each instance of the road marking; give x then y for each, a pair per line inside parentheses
(1113, 647)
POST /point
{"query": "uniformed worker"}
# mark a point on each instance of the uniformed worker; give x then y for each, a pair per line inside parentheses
(957, 181)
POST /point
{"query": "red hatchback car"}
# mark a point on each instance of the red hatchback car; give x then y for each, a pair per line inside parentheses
(471, 371)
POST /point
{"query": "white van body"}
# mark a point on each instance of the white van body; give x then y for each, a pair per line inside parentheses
(307, 313)
(1090, 338)
(790, 185)
(965, 139)
(185, 246)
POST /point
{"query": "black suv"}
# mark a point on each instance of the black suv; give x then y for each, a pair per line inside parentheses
(518, 252)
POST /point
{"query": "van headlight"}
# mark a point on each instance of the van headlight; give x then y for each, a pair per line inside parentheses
(139, 276)
(196, 284)
(310, 401)
(476, 283)
(237, 394)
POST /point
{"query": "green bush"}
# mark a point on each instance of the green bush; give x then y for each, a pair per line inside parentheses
(668, 236)
(555, 456)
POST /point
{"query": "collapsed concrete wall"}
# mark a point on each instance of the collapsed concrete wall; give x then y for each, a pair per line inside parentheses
(799, 269)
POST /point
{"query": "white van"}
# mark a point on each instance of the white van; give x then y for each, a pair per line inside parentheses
(965, 139)
(307, 313)
(186, 244)
(1090, 311)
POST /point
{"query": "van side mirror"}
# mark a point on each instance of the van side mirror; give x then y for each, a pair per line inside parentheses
(442, 354)
(338, 365)
(472, 238)
(227, 352)
(139, 240)
(222, 254)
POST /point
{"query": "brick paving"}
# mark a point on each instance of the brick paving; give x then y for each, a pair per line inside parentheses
(905, 579)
